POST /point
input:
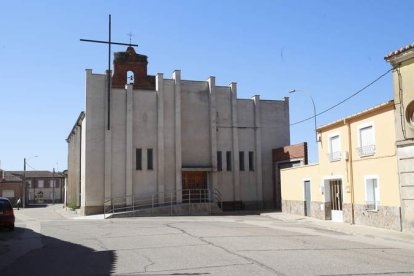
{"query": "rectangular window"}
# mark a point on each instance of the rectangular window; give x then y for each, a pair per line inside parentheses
(29, 183)
(251, 161)
(8, 193)
(52, 183)
(372, 193)
(40, 183)
(150, 165)
(366, 141)
(138, 159)
(241, 160)
(228, 160)
(335, 148)
(219, 161)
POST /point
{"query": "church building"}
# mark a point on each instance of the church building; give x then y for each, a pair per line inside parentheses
(157, 137)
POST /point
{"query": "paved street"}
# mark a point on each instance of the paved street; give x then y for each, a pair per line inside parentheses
(53, 241)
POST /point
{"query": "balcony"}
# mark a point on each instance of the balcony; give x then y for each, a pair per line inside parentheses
(335, 156)
(366, 150)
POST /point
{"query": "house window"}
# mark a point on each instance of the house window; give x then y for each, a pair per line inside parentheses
(29, 183)
(334, 148)
(228, 160)
(52, 183)
(219, 161)
(138, 159)
(372, 193)
(241, 160)
(251, 161)
(40, 183)
(150, 165)
(8, 193)
(366, 141)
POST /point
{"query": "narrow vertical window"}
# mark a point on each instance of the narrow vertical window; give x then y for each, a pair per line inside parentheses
(138, 159)
(251, 161)
(149, 160)
(219, 161)
(228, 160)
(241, 160)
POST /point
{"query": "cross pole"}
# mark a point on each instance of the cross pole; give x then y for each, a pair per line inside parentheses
(109, 42)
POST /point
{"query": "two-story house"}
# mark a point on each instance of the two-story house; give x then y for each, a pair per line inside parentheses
(356, 179)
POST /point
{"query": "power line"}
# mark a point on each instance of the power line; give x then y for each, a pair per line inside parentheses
(344, 100)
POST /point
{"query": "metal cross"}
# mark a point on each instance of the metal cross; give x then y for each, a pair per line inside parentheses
(130, 37)
(109, 42)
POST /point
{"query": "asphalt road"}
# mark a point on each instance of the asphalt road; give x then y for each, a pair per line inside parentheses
(50, 241)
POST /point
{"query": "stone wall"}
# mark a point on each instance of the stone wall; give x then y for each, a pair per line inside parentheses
(319, 212)
(293, 207)
(385, 217)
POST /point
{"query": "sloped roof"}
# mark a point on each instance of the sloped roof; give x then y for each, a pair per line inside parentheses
(399, 52)
(36, 174)
(356, 115)
(9, 177)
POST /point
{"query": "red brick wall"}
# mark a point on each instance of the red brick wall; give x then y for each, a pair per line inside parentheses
(16, 186)
(131, 61)
(291, 152)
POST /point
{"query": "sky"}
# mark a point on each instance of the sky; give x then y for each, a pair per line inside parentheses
(326, 49)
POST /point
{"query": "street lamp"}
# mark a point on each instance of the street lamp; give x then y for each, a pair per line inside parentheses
(24, 180)
(314, 109)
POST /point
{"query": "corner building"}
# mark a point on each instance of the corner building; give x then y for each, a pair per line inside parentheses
(164, 137)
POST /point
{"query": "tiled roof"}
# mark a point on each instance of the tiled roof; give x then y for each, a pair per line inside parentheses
(399, 51)
(389, 103)
(36, 174)
(9, 177)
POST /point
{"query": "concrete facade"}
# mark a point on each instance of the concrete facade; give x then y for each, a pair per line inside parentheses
(159, 129)
(354, 182)
(402, 62)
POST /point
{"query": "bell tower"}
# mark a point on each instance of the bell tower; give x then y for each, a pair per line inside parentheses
(131, 68)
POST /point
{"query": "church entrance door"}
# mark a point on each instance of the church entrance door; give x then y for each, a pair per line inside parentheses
(195, 187)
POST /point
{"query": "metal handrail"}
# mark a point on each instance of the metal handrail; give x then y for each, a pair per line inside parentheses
(170, 198)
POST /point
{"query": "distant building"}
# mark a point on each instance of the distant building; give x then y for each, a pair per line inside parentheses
(42, 186)
(11, 186)
(164, 138)
(402, 62)
(356, 180)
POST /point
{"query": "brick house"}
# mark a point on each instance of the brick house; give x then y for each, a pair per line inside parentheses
(10, 186)
(40, 188)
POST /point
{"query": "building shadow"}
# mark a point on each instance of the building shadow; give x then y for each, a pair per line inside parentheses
(54, 257)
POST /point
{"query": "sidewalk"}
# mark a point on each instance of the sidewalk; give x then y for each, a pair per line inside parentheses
(74, 214)
(346, 228)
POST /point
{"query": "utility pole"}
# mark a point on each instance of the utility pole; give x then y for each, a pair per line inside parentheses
(53, 187)
(24, 183)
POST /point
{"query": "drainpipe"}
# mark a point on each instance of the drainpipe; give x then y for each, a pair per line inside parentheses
(351, 171)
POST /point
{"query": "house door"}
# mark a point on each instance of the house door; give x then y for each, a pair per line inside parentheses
(195, 187)
(336, 199)
(307, 190)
